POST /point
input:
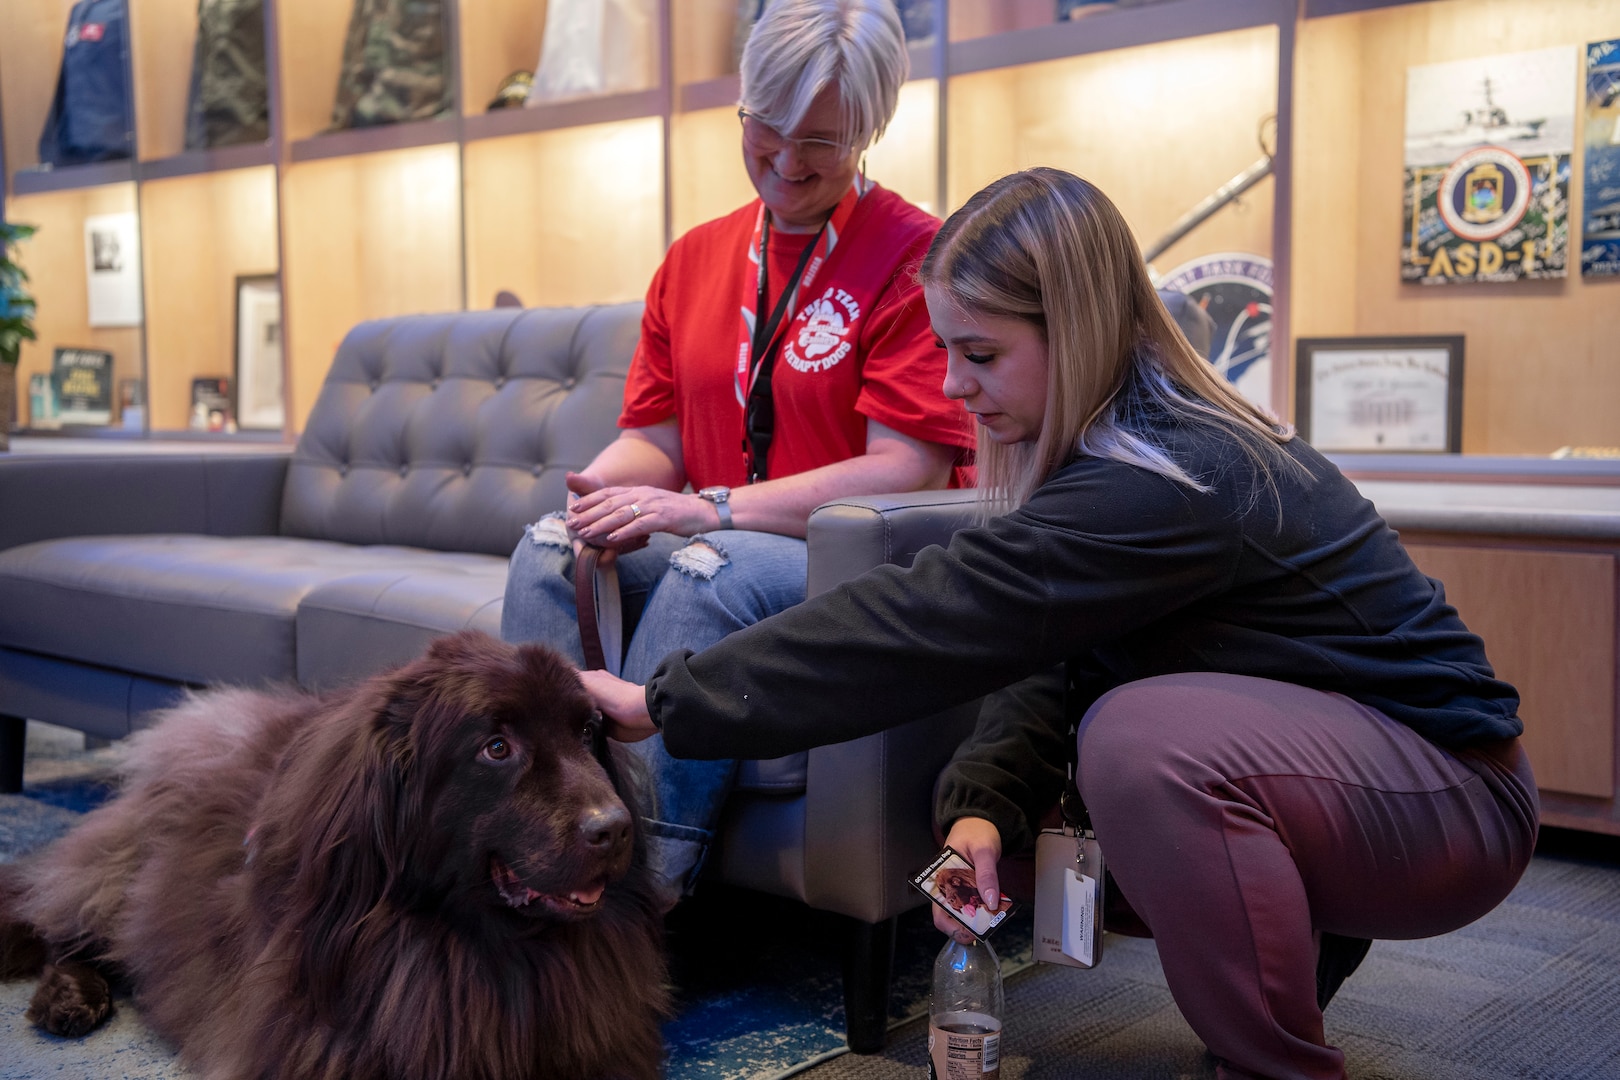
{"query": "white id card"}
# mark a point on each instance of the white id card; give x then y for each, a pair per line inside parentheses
(1068, 899)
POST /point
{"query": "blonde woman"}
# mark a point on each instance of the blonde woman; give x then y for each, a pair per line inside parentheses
(1288, 742)
(785, 359)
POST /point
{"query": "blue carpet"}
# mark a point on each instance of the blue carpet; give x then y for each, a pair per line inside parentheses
(758, 981)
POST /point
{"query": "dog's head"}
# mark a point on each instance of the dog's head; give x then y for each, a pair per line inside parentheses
(512, 779)
(478, 778)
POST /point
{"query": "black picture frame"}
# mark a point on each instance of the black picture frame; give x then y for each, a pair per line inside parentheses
(1413, 387)
(257, 388)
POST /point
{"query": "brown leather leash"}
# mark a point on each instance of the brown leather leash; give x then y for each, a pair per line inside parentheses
(590, 635)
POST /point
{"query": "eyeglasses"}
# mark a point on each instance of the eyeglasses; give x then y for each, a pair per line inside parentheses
(766, 141)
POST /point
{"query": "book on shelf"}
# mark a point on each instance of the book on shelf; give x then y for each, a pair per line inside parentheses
(81, 383)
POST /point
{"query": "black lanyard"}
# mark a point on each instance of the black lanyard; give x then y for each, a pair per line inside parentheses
(759, 415)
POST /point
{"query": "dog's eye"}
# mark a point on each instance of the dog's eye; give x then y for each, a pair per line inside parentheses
(591, 733)
(497, 749)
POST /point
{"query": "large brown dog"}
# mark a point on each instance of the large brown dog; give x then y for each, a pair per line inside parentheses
(428, 876)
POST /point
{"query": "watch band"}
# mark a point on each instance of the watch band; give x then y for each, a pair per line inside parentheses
(724, 509)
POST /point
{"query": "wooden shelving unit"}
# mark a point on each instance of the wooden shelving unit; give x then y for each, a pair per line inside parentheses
(575, 201)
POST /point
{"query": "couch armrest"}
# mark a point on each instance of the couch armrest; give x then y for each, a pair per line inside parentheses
(848, 537)
(868, 802)
(219, 494)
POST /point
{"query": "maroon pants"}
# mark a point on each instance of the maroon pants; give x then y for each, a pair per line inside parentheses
(1242, 817)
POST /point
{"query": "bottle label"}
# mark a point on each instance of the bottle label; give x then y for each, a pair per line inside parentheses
(964, 1046)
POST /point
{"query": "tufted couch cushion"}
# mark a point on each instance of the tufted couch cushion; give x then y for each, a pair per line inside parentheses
(452, 432)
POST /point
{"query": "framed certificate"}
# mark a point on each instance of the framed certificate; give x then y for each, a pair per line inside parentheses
(1396, 394)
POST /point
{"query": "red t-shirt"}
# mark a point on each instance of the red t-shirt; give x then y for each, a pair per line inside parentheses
(866, 297)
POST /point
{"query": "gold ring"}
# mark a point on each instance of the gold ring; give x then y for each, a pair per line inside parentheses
(635, 511)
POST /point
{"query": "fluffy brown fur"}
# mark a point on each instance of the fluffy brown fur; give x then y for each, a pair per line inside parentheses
(428, 876)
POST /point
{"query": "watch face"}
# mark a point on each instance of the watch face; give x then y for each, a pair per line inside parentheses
(715, 494)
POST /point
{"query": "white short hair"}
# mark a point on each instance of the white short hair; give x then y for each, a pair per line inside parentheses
(799, 46)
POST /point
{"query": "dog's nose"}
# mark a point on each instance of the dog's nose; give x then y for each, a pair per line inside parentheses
(605, 826)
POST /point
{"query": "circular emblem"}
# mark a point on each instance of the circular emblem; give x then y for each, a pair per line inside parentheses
(1484, 193)
(823, 336)
(1235, 291)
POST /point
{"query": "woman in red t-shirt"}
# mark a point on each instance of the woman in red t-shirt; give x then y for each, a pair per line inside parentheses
(800, 312)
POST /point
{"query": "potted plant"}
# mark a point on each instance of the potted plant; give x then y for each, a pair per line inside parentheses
(16, 321)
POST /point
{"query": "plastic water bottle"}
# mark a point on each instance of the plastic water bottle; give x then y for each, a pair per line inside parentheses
(964, 1015)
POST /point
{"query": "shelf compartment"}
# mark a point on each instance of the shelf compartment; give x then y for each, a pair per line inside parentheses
(497, 37)
(163, 36)
(30, 60)
(364, 237)
(200, 232)
(572, 216)
(309, 71)
(55, 260)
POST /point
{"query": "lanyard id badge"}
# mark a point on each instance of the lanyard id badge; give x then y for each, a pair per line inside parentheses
(1069, 877)
(1068, 898)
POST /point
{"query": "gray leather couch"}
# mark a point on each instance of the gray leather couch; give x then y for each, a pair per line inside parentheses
(125, 578)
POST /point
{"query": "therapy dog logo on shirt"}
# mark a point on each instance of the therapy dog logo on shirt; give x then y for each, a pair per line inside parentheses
(823, 339)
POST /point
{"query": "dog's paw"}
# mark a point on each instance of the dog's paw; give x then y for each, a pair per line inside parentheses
(22, 951)
(73, 999)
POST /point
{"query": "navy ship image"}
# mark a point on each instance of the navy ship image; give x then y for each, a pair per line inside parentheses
(1489, 123)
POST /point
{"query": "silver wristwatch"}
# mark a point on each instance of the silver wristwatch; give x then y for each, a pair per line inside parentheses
(721, 497)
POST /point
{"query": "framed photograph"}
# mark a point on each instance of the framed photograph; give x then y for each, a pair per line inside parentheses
(259, 403)
(112, 268)
(1395, 394)
(211, 404)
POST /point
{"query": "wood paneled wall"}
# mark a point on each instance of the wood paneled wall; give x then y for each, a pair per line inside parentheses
(1543, 366)
(1158, 128)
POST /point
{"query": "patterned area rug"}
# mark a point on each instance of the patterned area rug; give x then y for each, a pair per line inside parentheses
(759, 987)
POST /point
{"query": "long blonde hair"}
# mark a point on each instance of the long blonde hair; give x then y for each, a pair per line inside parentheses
(1049, 248)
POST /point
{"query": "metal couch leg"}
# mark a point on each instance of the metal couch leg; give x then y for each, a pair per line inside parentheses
(13, 739)
(868, 966)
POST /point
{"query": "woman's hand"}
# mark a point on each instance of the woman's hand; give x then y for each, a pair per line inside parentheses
(979, 842)
(623, 703)
(622, 518)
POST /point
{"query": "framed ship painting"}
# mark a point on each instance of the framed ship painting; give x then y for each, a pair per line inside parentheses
(1487, 168)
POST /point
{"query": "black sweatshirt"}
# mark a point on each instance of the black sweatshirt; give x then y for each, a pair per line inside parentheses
(1112, 573)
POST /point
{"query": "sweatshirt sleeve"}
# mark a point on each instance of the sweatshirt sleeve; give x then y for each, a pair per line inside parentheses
(1101, 550)
(1012, 769)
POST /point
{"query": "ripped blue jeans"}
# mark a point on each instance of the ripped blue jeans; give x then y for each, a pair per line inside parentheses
(677, 593)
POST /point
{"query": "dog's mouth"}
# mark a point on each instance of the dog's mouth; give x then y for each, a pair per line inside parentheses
(581, 901)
